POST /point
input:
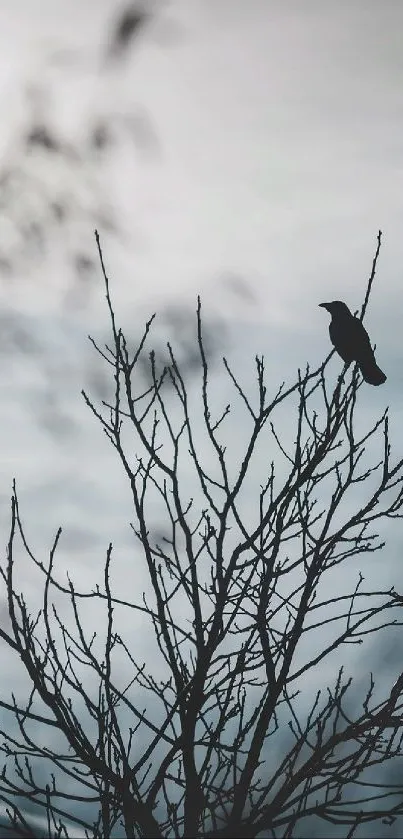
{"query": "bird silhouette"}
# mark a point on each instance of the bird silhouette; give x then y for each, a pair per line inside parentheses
(351, 341)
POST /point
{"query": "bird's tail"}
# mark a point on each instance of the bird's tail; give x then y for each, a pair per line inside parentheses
(371, 373)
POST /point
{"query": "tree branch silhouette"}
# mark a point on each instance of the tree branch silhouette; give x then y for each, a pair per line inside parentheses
(207, 736)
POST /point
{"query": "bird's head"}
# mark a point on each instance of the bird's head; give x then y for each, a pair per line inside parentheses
(336, 307)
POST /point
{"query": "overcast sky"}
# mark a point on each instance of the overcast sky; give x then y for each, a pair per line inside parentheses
(257, 149)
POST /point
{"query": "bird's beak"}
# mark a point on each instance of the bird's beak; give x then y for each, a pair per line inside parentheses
(324, 306)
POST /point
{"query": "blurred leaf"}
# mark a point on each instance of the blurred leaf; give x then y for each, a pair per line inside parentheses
(39, 135)
(128, 25)
(101, 137)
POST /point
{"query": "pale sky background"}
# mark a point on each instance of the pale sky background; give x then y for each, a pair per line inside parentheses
(257, 151)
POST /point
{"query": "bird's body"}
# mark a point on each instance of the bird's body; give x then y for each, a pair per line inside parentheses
(350, 339)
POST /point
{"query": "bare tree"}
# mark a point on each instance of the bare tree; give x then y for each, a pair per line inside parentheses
(194, 726)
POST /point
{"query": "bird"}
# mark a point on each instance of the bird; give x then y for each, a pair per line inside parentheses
(350, 339)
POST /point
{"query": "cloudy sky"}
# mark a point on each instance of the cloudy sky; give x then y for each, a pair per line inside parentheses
(254, 149)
